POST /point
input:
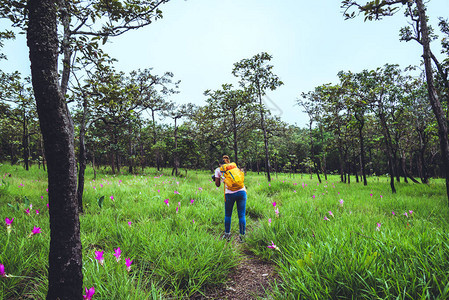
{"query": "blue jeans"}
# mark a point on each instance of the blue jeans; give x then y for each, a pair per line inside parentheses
(240, 199)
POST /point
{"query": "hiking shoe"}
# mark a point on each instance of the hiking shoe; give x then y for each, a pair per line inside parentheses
(226, 236)
(242, 238)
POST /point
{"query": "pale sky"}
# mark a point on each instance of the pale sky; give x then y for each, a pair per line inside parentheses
(200, 40)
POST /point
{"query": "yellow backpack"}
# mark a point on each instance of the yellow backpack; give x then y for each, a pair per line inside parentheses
(234, 177)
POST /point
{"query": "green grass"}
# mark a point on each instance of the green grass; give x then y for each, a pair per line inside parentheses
(178, 254)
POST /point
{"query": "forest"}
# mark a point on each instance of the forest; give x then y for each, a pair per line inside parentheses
(388, 121)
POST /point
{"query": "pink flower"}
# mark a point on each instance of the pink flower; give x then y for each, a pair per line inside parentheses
(176, 192)
(35, 230)
(42, 197)
(177, 208)
(269, 221)
(48, 206)
(273, 246)
(269, 184)
(128, 263)
(276, 211)
(393, 213)
(193, 221)
(274, 204)
(101, 185)
(371, 195)
(37, 211)
(158, 191)
(200, 188)
(112, 198)
(99, 257)
(192, 200)
(129, 223)
(313, 196)
(331, 214)
(410, 212)
(378, 226)
(405, 214)
(9, 222)
(326, 218)
(27, 211)
(94, 187)
(294, 191)
(89, 293)
(2, 271)
(166, 202)
(117, 254)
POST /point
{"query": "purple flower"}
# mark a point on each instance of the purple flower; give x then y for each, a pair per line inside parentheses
(35, 230)
(313, 196)
(37, 211)
(269, 221)
(200, 188)
(274, 204)
(276, 211)
(129, 223)
(9, 222)
(393, 213)
(176, 192)
(166, 202)
(193, 221)
(117, 254)
(341, 202)
(27, 211)
(89, 293)
(2, 271)
(405, 214)
(177, 208)
(112, 198)
(378, 226)
(273, 246)
(331, 214)
(326, 218)
(128, 263)
(410, 212)
(99, 257)
(192, 200)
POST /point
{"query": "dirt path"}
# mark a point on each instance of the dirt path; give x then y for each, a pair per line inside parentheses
(249, 280)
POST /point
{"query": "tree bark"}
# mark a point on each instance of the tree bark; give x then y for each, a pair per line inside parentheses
(65, 277)
(82, 158)
(433, 96)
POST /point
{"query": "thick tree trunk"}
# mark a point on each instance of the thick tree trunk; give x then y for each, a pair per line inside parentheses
(433, 96)
(65, 277)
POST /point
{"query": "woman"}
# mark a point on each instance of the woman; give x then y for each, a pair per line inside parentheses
(232, 195)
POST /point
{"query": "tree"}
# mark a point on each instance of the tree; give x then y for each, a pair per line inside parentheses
(233, 108)
(65, 275)
(415, 9)
(177, 112)
(22, 110)
(77, 19)
(152, 90)
(257, 77)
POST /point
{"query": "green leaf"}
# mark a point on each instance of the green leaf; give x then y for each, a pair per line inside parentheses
(100, 201)
(26, 201)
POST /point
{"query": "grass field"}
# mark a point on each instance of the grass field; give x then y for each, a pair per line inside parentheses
(333, 240)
